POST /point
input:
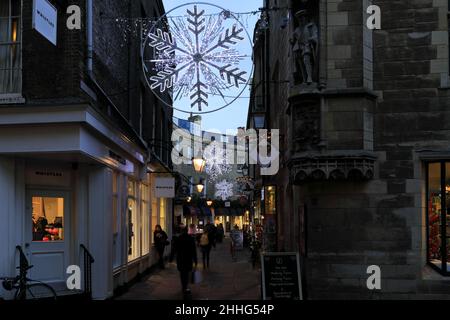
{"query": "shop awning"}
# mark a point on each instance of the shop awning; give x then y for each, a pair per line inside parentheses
(206, 211)
(191, 211)
(222, 212)
(236, 211)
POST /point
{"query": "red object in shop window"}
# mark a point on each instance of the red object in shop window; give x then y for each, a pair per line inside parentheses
(45, 239)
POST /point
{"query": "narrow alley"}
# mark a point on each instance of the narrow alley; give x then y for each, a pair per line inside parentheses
(225, 280)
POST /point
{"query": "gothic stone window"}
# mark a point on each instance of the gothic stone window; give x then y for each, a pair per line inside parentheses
(438, 216)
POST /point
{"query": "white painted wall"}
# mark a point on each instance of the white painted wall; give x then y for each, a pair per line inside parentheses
(8, 237)
(100, 231)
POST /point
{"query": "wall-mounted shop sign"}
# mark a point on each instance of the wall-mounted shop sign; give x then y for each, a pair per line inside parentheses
(164, 187)
(281, 276)
(45, 19)
(47, 176)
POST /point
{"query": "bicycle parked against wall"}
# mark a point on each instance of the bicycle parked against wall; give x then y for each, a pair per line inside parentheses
(27, 289)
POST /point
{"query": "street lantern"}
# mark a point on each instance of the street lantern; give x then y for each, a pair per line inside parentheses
(259, 120)
(199, 164)
(200, 186)
(209, 202)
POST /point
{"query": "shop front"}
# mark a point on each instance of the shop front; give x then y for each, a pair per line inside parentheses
(67, 185)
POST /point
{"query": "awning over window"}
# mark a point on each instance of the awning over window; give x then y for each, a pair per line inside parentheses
(230, 212)
(191, 211)
(206, 211)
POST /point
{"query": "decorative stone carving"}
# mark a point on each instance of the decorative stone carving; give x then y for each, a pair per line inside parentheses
(306, 123)
(305, 49)
(321, 168)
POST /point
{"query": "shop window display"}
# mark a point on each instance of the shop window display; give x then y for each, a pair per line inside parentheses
(438, 210)
(48, 219)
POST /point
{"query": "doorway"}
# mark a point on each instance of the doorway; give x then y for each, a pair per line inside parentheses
(47, 236)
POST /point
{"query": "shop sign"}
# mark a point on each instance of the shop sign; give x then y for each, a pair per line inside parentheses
(164, 188)
(281, 276)
(45, 18)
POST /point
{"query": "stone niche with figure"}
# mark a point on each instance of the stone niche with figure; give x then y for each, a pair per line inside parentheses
(305, 43)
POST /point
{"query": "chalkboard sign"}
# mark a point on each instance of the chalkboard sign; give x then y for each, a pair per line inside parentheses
(281, 277)
(238, 238)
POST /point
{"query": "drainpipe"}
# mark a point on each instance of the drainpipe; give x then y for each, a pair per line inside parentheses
(90, 39)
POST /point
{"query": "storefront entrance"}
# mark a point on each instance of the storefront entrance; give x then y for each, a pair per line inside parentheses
(47, 235)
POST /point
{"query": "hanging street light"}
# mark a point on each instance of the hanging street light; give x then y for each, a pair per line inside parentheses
(199, 164)
(200, 186)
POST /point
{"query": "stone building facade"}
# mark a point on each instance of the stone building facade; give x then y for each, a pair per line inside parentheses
(364, 146)
(82, 140)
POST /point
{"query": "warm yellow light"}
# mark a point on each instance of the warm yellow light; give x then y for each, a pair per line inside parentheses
(14, 31)
(199, 164)
(200, 187)
(189, 199)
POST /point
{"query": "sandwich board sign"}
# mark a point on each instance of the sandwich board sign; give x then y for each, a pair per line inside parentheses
(281, 276)
(45, 19)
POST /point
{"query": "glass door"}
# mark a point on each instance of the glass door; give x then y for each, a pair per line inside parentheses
(47, 236)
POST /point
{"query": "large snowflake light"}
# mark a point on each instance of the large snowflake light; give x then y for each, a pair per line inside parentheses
(216, 161)
(196, 56)
(224, 190)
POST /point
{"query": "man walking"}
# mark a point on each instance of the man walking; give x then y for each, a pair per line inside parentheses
(186, 253)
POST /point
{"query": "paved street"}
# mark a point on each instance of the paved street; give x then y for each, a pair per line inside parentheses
(225, 280)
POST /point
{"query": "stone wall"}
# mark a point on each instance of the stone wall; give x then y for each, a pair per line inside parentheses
(386, 94)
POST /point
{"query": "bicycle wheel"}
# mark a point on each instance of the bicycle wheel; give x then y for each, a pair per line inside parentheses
(38, 291)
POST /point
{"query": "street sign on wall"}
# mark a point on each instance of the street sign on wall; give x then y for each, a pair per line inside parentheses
(281, 276)
(45, 19)
(164, 187)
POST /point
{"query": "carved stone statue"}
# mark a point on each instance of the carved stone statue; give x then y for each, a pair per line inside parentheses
(305, 40)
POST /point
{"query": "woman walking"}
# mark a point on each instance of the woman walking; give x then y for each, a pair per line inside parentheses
(160, 241)
(205, 246)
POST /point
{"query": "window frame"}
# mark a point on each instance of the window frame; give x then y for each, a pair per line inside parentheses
(13, 97)
(444, 268)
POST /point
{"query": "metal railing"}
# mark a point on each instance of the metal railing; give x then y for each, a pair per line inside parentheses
(88, 260)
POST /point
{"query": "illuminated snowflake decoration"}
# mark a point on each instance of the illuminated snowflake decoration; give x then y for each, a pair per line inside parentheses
(196, 57)
(216, 161)
(224, 190)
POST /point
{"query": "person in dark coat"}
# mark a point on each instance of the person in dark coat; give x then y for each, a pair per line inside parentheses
(186, 253)
(212, 233)
(160, 241)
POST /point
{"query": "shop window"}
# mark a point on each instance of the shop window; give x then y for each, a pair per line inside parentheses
(154, 215)
(438, 210)
(162, 213)
(48, 219)
(133, 223)
(10, 47)
(270, 218)
(116, 220)
(145, 206)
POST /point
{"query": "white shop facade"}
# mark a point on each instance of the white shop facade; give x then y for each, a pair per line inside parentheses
(69, 178)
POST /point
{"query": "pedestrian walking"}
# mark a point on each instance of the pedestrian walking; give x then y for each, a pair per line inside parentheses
(205, 246)
(212, 233)
(160, 241)
(186, 253)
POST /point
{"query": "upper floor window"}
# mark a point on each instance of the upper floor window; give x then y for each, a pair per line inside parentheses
(10, 47)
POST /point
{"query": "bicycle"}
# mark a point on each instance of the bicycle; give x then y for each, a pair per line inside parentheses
(27, 289)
